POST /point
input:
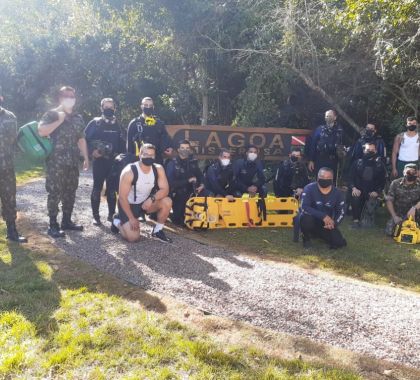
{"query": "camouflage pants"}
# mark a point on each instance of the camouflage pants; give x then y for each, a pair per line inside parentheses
(8, 194)
(61, 184)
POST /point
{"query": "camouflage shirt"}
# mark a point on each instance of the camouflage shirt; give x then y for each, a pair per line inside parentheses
(65, 138)
(403, 195)
(8, 133)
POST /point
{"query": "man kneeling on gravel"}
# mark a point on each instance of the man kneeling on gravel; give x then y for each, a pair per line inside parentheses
(143, 190)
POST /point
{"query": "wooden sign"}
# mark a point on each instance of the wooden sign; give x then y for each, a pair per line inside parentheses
(274, 143)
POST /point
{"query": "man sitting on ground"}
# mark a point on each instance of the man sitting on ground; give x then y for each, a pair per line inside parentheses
(219, 175)
(143, 189)
(322, 210)
(248, 174)
(367, 181)
(291, 176)
(403, 198)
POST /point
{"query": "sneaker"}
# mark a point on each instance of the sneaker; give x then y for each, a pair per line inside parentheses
(55, 232)
(110, 218)
(161, 236)
(115, 222)
(96, 220)
(355, 225)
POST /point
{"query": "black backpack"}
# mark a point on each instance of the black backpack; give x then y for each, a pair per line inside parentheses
(133, 168)
(120, 162)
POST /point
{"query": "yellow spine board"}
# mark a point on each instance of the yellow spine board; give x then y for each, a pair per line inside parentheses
(213, 213)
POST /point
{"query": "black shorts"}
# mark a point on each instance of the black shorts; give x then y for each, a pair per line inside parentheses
(135, 209)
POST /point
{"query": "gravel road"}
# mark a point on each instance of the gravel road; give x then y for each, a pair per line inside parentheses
(377, 320)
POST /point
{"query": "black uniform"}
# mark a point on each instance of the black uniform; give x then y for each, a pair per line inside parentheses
(289, 177)
(248, 173)
(178, 172)
(150, 130)
(367, 175)
(218, 179)
(357, 150)
(107, 137)
(325, 147)
(315, 206)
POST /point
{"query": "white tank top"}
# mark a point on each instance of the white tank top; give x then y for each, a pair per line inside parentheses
(144, 186)
(409, 148)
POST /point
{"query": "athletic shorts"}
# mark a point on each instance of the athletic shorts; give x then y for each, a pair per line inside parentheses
(135, 209)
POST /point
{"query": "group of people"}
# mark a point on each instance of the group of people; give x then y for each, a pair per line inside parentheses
(160, 176)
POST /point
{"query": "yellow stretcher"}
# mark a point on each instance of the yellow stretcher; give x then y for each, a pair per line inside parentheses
(245, 212)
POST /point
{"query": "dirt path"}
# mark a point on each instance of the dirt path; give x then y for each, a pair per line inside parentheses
(383, 322)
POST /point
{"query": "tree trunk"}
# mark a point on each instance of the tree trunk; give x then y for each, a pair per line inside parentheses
(310, 83)
(205, 114)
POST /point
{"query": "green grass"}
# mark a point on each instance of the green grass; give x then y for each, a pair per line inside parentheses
(27, 170)
(370, 255)
(55, 324)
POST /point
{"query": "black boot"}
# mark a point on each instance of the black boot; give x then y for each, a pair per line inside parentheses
(13, 235)
(95, 201)
(54, 230)
(68, 224)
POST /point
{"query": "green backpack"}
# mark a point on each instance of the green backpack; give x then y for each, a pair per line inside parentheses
(32, 144)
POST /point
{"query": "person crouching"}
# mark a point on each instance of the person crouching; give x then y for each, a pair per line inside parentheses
(143, 189)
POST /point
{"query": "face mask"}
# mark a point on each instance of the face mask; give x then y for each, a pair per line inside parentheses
(108, 113)
(410, 177)
(324, 183)
(148, 111)
(369, 154)
(148, 161)
(294, 159)
(225, 161)
(252, 156)
(369, 133)
(68, 103)
(184, 153)
(411, 127)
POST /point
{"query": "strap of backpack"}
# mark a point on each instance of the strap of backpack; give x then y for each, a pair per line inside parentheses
(156, 185)
(135, 178)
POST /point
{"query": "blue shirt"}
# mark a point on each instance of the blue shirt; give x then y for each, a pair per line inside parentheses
(321, 205)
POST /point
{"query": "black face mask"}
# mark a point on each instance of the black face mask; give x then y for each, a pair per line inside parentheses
(294, 159)
(148, 111)
(411, 127)
(148, 161)
(410, 177)
(369, 133)
(324, 183)
(108, 113)
(369, 154)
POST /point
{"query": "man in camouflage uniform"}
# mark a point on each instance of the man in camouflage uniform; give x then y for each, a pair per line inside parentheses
(8, 134)
(66, 130)
(403, 199)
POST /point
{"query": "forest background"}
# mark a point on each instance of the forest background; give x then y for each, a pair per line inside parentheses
(260, 63)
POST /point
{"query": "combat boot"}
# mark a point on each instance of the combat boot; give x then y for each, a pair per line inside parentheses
(68, 224)
(13, 235)
(95, 201)
(54, 230)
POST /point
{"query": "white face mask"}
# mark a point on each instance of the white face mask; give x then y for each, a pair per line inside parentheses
(225, 161)
(68, 103)
(252, 156)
